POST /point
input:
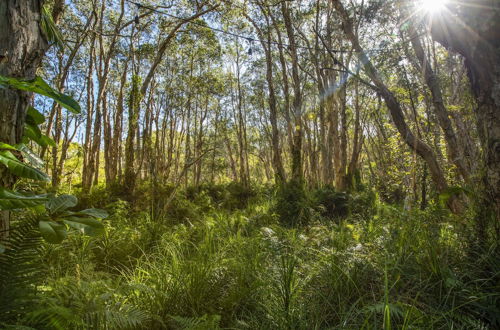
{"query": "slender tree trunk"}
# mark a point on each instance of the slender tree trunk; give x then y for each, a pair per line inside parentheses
(297, 172)
(440, 110)
(357, 139)
(133, 124)
(273, 109)
(396, 112)
(340, 177)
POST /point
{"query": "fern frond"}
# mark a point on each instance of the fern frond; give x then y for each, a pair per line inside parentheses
(197, 323)
(20, 269)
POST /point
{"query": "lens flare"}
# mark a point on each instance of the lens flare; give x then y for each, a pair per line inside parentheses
(433, 6)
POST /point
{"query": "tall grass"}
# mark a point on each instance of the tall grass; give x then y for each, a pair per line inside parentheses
(235, 268)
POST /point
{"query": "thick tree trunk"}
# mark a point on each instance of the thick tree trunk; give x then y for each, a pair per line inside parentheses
(22, 47)
(474, 31)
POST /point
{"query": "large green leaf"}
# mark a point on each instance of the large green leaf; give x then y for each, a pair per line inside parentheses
(7, 146)
(96, 213)
(53, 232)
(30, 157)
(61, 203)
(33, 133)
(10, 200)
(39, 86)
(33, 116)
(45, 140)
(21, 169)
(88, 226)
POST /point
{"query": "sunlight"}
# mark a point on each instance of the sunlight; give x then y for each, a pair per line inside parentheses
(433, 6)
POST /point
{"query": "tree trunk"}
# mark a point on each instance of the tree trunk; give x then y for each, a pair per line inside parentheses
(440, 110)
(133, 124)
(279, 171)
(396, 112)
(22, 47)
(296, 152)
(474, 31)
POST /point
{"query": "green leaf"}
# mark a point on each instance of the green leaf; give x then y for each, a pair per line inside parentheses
(50, 29)
(47, 141)
(88, 226)
(61, 203)
(96, 213)
(7, 146)
(52, 232)
(21, 169)
(10, 200)
(39, 86)
(33, 116)
(30, 157)
(32, 132)
(2, 248)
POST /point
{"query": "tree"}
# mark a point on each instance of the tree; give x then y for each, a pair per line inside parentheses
(396, 112)
(20, 57)
(472, 29)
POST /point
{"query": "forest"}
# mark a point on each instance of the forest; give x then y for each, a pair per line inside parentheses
(249, 164)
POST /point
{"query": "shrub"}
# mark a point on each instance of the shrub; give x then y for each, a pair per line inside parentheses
(292, 204)
(363, 203)
(330, 203)
(239, 196)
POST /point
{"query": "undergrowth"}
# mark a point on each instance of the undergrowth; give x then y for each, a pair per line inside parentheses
(213, 261)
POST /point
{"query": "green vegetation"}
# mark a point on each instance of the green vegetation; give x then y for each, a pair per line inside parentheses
(211, 263)
(255, 164)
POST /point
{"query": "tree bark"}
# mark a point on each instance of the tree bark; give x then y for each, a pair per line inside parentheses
(473, 30)
(22, 46)
(296, 152)
(273, 109)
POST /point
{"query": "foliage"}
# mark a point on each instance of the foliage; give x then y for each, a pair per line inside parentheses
(292, 204)
(235, 269)
(20, 271)
(39, 86)
(330, 203)
(197, 235)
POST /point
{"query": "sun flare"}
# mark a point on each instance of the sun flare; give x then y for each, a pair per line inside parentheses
(433, 6)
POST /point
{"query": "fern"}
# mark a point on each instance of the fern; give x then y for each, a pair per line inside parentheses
(20, 270)
(83, 305)
(197, 323)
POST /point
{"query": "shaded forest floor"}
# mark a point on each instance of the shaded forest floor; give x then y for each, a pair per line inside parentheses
(218, 257)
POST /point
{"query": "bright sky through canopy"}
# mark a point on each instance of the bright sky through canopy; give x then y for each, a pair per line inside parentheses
(433, 6)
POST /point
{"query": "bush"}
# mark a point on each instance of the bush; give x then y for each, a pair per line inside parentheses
(330, 203)
(363, 203)
(292, 204)
(239, 196)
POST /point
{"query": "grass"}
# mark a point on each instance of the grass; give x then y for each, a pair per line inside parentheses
(233, 268)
